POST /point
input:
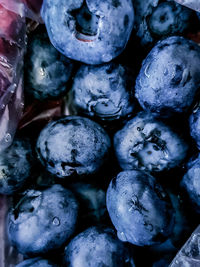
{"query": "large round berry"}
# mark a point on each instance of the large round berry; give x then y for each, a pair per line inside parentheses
(88, 30)
(42, 220)
(102, 92)
(73, 146)
(96, 246)
(148, 144)
(15, 166)
(47, 71)
(169, 77)
(139, 208)
(36, 262)
(190, 183)
(155, 19)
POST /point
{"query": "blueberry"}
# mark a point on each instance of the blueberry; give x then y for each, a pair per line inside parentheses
(92, 201)
(156, 19)
(42, 220)
(96, 246)
(194, 122)
(36, 262)
(72, 146)
(47, 71)
(90, 31)
(190, 183)
(139, 208)
(16, 163)
(102, 92)
(169, 77)
(148, 144)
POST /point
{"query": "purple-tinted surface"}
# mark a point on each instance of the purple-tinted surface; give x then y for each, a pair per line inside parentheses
(25, 8)
(12, 48)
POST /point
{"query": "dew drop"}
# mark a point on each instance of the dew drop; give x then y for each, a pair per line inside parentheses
(3, 106)
(56, 221)
(8, 137)
(146, 71)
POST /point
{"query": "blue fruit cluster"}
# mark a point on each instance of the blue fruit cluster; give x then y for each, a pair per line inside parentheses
(103, 92)
(113, 179)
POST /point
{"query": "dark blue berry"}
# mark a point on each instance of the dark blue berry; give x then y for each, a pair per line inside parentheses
(72, 146)
(148, 144)
(190, 183)
(156, 20)
(90, 31)
(139, 208)
(169, 77)
(102, 92)
(16, 163)
(46, 70)
(42, 220)
(96, 246)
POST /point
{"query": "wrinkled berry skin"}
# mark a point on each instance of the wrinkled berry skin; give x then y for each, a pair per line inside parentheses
(47, 71)
(102, 92)
(89, 31)
(148, 144)
(139, 208)
(16, 163)
(169, 77)
(73, 145)
(156, 19)
(194, 122)
(190, 183)
(96, 246)
(42, 220)
(36, 262)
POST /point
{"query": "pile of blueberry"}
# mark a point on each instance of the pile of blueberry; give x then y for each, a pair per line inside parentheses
(115, 180)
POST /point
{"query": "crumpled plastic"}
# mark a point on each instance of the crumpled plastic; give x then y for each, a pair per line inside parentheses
(193, 4)
(25, 8)
(13, 28)
(12, 49)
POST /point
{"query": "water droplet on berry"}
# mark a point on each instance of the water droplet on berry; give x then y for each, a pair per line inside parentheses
(56, 221)
(8, 137)
(146, 71)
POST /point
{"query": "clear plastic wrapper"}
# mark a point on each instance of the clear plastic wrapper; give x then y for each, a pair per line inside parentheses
(25, 8)
(193, 4)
